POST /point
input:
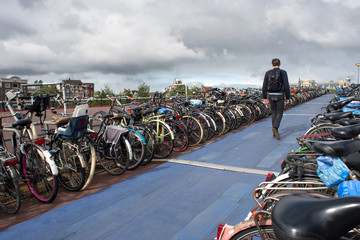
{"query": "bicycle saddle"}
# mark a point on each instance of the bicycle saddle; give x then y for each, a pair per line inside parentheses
(108, 115)
(346, 132)
(116, 116)
(301, 216)
(60, 121)
(337, 148)
(347, 121)
(337, 116)
(339, 105)
(19, 124)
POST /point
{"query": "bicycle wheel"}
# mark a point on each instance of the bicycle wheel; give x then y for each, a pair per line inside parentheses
(68, 160)
(114, 166)
(238, 119)
(150, 144)
(137, 144)
(220, 123)
(10, 196)
(37, 174)
(253, 233)
(247, 116)
(181, 140)
(164, 139)
(205, 126)
(195, 130)
(228, 121)
(212, 128)
(95, 120)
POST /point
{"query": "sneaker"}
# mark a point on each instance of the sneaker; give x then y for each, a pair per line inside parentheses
(276, 134)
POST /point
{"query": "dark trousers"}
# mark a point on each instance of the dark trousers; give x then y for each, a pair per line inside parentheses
(277, 109)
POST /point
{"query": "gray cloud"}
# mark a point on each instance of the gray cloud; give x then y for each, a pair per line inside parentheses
(124, 43)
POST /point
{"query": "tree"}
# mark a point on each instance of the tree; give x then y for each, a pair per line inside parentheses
(143, 90)
(194, 91)
(106, 91)
(46, 89)
(178, 91)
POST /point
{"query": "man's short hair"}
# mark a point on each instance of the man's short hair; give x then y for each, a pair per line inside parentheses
(275, 62)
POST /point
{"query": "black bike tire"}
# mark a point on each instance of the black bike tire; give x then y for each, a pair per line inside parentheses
(137, 146)
(71, 178)
(253, 232)
(10, 200)
(168, 145)
(195, 130)
(181, 140)
(150, 144)
(109, 164)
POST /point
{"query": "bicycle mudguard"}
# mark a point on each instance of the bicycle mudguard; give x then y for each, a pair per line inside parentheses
(142, 137)
(47, 155)
(51, 162)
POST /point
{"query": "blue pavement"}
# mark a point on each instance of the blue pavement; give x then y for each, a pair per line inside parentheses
(178, 201)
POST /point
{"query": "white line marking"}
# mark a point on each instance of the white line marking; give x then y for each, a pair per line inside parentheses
(300, 114)
(217, 166)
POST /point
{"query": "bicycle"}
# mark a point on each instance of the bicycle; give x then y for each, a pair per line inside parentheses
(73, 149)
(114, 162)
(10, 195)
(36, 166)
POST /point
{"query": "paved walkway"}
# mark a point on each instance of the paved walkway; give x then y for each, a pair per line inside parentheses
(185, 198)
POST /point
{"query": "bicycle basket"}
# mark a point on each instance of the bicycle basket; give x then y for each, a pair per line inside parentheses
(112, 144)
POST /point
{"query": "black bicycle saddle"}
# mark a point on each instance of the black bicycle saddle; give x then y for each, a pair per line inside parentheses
(301, 216)
(346, 132)
(337, 116)
(337, 148)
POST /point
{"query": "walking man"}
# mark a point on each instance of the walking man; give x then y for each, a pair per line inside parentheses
(275, 86)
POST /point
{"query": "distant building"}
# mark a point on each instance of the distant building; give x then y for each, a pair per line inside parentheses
(78, 89)
(306, 83)
(133, 93)
(7, 84)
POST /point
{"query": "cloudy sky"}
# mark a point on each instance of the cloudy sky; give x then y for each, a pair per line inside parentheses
(211, 42)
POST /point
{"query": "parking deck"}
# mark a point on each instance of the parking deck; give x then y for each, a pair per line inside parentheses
(184, 198)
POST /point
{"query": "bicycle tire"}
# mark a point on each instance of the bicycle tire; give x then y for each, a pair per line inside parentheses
(114, 166)
(95, 120)
(253, 233)
(204, 124)
(181, 140)
(228, 121)
(247, 116)
(238, 118)
(71, 172)
(150, 144)
(195, 130)
(137, 147)
(10, 195)
(212, 128)
(164, 143)
(321, 128)
(37, 174)
(220, 123)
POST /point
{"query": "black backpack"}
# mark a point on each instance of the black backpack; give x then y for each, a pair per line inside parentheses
(275, 81)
